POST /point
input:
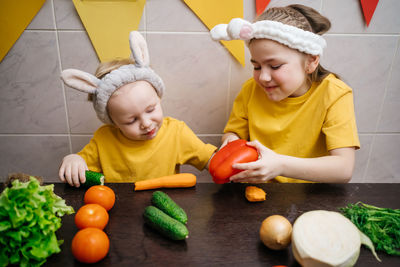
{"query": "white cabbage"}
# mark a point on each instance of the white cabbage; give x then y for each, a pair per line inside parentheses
(326, 238)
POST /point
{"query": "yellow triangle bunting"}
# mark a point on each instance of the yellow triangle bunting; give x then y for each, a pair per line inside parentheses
(15, 16)
(108, 24)
(213, 12)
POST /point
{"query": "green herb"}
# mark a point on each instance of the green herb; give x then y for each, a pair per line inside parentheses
(381, 225)
(29, 217)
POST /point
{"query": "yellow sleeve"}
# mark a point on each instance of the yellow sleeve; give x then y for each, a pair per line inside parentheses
(340, 126)
(91, 155)
(238, 119)
(192, 150)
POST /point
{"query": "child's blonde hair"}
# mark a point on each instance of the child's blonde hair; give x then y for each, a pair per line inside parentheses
(105, 68)
(302, 17)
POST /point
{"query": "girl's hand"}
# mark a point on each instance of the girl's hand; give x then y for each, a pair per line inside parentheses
(227, 138)
(72, 170)
(267, 167)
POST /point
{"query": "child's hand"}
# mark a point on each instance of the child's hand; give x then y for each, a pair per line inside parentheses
(227, 138)
(267, 167)
(72, 170)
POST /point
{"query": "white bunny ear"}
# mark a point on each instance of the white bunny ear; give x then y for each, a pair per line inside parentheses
(80, 80)
(240, 29)
(237, 29)
(139, 49)
(219, 33)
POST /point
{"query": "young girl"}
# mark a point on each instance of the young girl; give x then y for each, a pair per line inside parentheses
(137, 142)
(298, 115)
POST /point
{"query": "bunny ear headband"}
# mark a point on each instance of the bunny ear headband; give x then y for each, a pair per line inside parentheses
(103, 88)
(293, 37)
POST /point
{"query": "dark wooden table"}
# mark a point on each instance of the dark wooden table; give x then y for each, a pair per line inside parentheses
(223, 225)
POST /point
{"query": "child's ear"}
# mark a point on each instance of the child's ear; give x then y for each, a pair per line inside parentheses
(80, 80)
(140, 53)
(312, 63)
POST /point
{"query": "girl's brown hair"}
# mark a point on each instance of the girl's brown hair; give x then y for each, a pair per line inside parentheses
(305, 18)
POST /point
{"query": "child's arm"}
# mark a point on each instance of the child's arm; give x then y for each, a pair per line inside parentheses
(72, 170)
(335, 168)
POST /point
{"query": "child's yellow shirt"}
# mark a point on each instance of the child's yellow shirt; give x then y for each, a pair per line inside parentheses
(307, 126)
(123, 160)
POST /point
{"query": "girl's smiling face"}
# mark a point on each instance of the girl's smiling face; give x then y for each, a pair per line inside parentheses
(280, 70)
(135, 109)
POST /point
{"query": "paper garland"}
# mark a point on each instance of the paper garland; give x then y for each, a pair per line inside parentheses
(212, 12)
(368, 7)
(15, 16)
(261, 5)
(108, 24)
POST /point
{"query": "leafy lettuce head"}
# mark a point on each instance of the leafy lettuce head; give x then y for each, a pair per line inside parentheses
(30, 214)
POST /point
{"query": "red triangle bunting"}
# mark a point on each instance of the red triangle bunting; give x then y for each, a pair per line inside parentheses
(261, 5)
(368, 7)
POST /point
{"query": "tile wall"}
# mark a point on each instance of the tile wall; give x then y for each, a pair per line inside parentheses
(41, 121)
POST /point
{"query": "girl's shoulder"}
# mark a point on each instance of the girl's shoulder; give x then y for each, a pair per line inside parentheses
(334, 84)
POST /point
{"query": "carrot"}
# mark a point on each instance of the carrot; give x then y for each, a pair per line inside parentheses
(169, 181)
(254, 194)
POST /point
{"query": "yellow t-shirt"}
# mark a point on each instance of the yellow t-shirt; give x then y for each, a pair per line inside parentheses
(123, 160)
(307, 126)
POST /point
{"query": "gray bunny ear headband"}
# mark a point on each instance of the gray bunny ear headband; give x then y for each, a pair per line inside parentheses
(103, 88)
(293, 37)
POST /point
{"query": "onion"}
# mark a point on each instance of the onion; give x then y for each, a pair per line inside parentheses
(275, 232)
(327, 238)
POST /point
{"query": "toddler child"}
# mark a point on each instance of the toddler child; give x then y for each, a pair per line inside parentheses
(298, 115)
(136, 142)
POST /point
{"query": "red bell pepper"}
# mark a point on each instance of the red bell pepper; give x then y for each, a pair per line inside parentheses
(234, 152)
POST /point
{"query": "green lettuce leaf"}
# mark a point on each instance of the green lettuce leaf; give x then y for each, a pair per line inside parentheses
(30, 214)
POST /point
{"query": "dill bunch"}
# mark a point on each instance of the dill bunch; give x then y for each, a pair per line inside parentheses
(381, 225)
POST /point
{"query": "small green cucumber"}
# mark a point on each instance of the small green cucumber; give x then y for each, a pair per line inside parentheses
(93, 178)
(165, 224)
(162, 201)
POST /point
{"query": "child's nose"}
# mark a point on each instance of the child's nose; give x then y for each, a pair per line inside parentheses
(265, 75)
(146, 123)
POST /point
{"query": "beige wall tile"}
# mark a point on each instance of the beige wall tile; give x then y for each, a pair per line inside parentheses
(363, 62)
(239, 75)
(79, 142)
(31, 99)
(384, 164)
(347, 17)
(44, 19)
(171, 15)
(362, 156)
(66, 16)
(390, 115)
(35, 155)
(195, 92)
(77, 52)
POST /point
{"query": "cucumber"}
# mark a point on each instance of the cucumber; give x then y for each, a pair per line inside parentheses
(162, 201)
(165, 224)
(93, 178)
